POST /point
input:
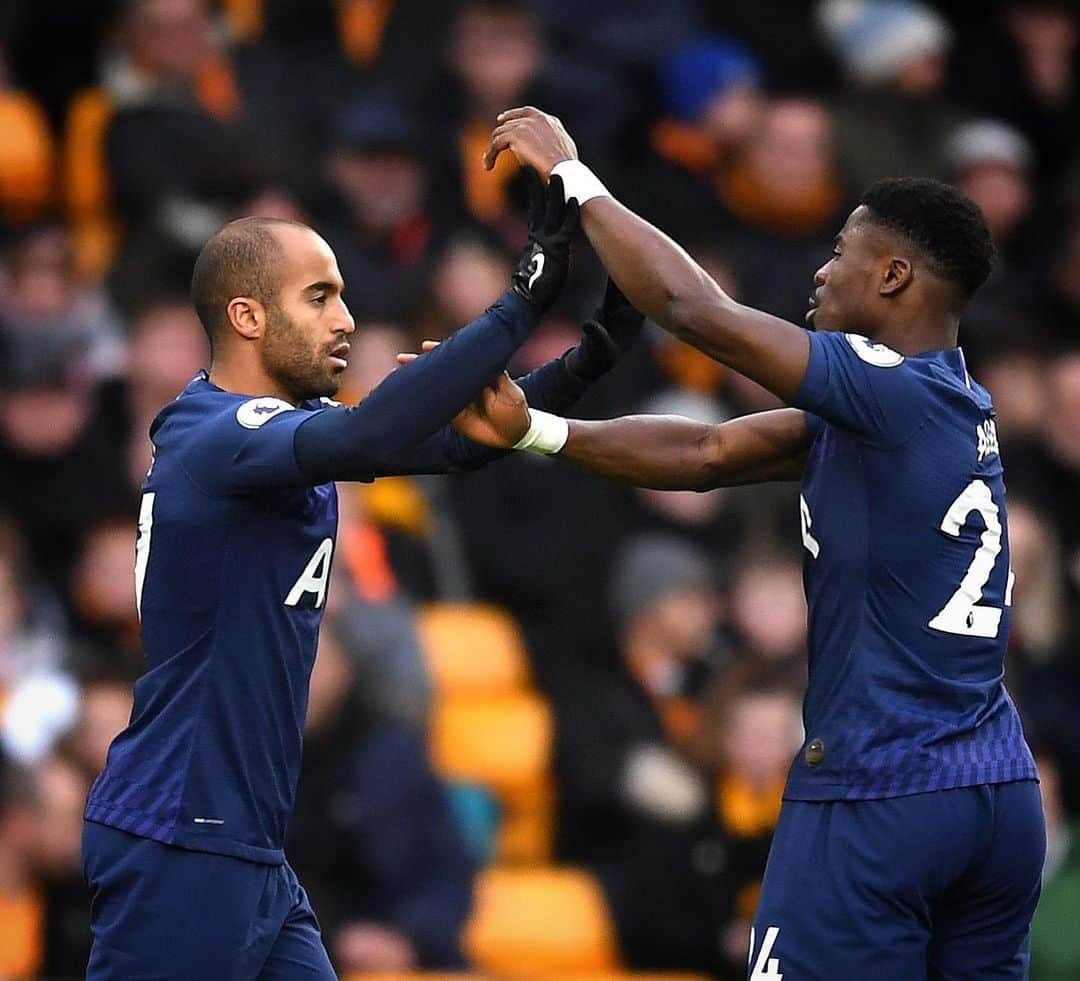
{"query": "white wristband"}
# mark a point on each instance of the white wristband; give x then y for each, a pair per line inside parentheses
(547, 433)
(579, 182)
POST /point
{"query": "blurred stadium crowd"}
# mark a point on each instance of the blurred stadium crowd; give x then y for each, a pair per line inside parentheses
(551, 717)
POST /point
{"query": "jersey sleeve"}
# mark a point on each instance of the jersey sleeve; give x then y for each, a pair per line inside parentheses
(246, 447)
(552, 387)
(865, 387)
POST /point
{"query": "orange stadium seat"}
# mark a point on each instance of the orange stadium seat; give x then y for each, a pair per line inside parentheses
(528, 922)
(86, 180)
(502, 742)
(26, 158)
(472, 649)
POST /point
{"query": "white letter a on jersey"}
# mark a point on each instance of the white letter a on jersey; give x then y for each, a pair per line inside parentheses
(315, 577)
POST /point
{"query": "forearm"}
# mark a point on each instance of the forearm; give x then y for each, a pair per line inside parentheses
(673, 453)
(662, 452)
(552, 387)
(415, 400)
(667, 285)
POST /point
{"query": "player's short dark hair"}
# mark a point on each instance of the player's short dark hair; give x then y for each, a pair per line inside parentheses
(945, 225)
(241, 259)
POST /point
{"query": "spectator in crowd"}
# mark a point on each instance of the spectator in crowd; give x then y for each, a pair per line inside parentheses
(467, 269)
(892, 116)
(101, 598)
(166, 347)
(1032, 48)
(633, 806)
(385, 232)
(373, 834)
(768, 613)
(751, 729)
(53, 437)
(41, 292)
(497, 57)
(105, 701)
(991, 162)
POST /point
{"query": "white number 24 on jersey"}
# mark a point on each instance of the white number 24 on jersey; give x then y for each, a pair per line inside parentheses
(963, 614)
(765, 967)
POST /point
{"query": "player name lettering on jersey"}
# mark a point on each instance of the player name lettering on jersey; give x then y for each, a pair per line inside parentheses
(315, 577)
(988, 439)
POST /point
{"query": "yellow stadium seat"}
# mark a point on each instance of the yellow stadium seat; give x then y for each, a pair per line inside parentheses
(472, 648)
(502, 742)
(86, 180)
(528, 922)
(26, 158)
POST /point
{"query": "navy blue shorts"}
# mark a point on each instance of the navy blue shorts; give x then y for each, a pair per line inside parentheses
(933, 887)
(159, 912)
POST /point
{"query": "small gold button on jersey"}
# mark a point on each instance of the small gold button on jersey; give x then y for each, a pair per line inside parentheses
(815, 752)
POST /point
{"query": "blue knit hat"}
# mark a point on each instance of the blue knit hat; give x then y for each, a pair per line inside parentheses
(703, 69)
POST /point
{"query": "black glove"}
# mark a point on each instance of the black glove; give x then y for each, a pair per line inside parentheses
(543, 266)
(613, 328)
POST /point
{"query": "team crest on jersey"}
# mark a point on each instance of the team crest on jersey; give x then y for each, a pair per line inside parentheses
(255, 412)
(878, 355)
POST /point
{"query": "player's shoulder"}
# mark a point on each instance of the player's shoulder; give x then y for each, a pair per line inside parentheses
(204, 408)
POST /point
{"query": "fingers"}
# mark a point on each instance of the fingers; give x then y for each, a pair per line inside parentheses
(500, 140)
(571, 219)
(404, 357)
(522, 112)
(536, 197)
(555, 213)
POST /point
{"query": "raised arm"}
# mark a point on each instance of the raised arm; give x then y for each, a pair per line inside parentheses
(412, 403)
(655, 273)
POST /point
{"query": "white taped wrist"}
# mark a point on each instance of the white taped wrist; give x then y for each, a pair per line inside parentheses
(547, 433)
(579, 182)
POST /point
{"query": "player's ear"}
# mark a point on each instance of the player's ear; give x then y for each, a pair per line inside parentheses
(896, 276)
(247, 316)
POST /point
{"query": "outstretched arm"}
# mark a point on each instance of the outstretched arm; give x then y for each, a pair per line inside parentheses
(411, 404)
(662, 452)
(553, 387)
(658, 276)
(673, 453)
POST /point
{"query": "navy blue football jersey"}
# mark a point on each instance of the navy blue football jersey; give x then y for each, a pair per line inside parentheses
(232, 568)
(907, 578)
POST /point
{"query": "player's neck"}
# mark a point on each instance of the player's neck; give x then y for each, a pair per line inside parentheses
(248, 380)
(919, 333)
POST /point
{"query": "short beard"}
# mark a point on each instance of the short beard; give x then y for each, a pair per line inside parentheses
(289, 359)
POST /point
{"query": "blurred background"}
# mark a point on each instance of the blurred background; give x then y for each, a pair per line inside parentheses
(551, 717)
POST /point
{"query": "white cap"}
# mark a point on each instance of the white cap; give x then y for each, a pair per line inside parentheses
(984, 141)
(875, 39)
